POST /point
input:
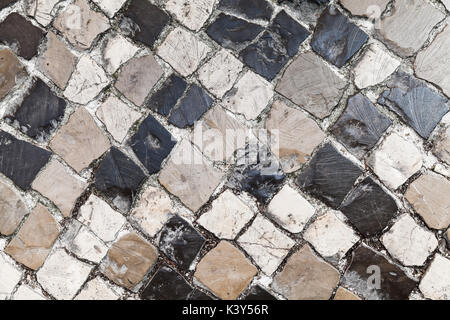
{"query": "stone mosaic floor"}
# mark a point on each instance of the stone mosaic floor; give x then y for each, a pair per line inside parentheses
(225, 149)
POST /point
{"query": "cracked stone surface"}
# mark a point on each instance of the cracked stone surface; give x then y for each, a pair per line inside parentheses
(42, 10)
(117, 51)
(436, 282)
(84, 244)
(192, 14)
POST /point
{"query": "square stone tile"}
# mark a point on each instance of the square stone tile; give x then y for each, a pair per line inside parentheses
(56, 61)
(166, 97)
(389, 163)
(427, 202)
(330, 236)
(312, 84)
(306, 277)
(41, 10)
(329, 176)
(254, 9)
(96, 289)
(227, 216)
(408, 242)
(189, 176)
(83, 243)
(12, 209)
(81, 25)
(80, 141)
(250, 96)
(117, 51)
(110, 7)
(192, 14)
(183, 51)
(117, 117)
(129, 260)
(267, 245)
(137, 77)
(294, 136)
(99, 217)
(58, 185)
(225, 271)
(86, 82)
(290, 209)
(12, 72)
(62, 275)
(9, 277)
(220, 72)
(436, 282)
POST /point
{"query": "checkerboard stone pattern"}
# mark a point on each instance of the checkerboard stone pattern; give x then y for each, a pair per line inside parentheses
(224, 149)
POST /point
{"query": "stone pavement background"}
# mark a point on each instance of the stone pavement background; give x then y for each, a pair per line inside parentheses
(346, 197)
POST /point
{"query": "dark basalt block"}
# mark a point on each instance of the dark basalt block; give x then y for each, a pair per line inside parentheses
(232, 32)
(251, 9)
(360, 126)
(119, 178)
(145, 21)
(191, 108)
(415, 103)
(369, 208)
(167, 284)
(19, 33)
(21, 161)
(180, 242)
(257, 172)
(268, 55)
(152, 143)
(5, 3)
(258, 293)
(329, 176)
(198, 295)
(335, 38)
(167, 97)
(40, 111)
(362, 275)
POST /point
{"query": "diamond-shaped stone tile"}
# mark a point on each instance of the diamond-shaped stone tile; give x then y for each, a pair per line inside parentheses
(310, 83)
(12, 72)
(12, 209)
(118, 50)
(84, 243)
(41, 10)
(110, 7)
(163, 100)
(167, 284)
(180, 242)
(436, 282)
(329, 176)
(192, 14)
(251, 9)
(225, 271)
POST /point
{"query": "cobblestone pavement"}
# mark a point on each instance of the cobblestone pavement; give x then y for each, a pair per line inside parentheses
(224, 149)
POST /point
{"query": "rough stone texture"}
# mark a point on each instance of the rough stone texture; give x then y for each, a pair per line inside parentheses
(79, 141)
(290, 209)
(258, 293)
(12, 209)
(128, 260)
(219, 74)
(98, 216)
(331, 237)
(432, 206)
(33, 242)
(369, 208)
(250, 96)
(80, 25)
(56, 62)
(153, 210)
(20, 160)
(442, 145)
(344, 294)
(188, 176)
(436, 282)
(388, 161)
(312, 85)
(225, 271)
(306, 277)
(110, 7)
(58, 185)
(415, 103)
(183, 51)
(20, 34)
(168, 95)
(11, 72)
(192, 14)
(227, 216)
(118, 50)
(152, 143)
(84, 244)
(294, 136)
(365, 266)
(137, 77)
(251, 9)
(403, 31)
(265, 244)
(375, 66)
(409, 242)
(41, 10)
(25, 292)
(427, 62)
(87, 81)
(360, 126)
(96, 289)
(329, 176)
(9, 277)
(180, 242)
(368, 8)
(446, 4)
(62, 275)
(335, 38)
(117, 117)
